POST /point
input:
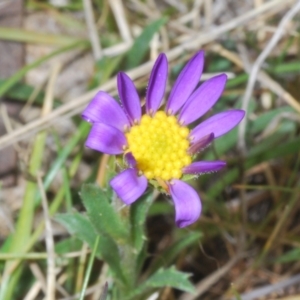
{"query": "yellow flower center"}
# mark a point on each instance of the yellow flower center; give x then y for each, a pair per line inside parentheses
(159, 145)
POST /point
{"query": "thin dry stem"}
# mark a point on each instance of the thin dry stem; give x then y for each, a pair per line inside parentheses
(38, 274)
(120, 17)
(94, 37)
(8, 125)
(179, 5)
(51, 276)
(208, 13)
(102, 170)
(32, 97)
(196, 14)
(49, 96)
(34, 291)
(270, 289)
(82, 263)
(262, 77)
(256, 67)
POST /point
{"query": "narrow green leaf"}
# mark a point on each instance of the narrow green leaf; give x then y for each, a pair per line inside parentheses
(236, 81)
(290, 256)
(65, 175)
(102, 215)
(140, 47)
(81, 133)
(25, 220)
(22, 35)
(22, 91)
(262, 121)
(105, 68)
(89, 269)
(286, 67)
(138, 214)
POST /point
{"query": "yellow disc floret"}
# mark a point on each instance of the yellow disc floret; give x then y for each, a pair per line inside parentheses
(159, 145)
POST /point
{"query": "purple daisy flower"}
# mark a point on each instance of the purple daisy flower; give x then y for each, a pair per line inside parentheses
(158, 145)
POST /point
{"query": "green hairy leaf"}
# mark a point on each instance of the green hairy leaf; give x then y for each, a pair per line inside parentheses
(102, 215)
(78, 225)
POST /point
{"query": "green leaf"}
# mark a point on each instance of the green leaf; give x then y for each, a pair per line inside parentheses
(80, 226)
(236, 81)
(286, 67)
(67, 245)
(290, 256)
(141, 44)
(138, 214)
(110, 254)
(173, 251)
(163, 278)
(102, 215)
(171, 277)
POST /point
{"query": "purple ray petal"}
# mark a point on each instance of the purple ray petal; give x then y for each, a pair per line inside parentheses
(201, 144)
(157, 84)
(218, 124)
(187, 203)
(202, 99)
(129, 97)
(105, 109)
(106, 139)
(130, 160)
(201, 167)
(129, 186)
(185, 83)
